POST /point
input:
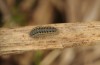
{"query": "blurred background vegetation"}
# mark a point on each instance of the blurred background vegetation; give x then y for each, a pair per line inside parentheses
(18, 13)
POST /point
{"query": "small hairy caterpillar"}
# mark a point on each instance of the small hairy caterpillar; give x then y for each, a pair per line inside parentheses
(44, 31)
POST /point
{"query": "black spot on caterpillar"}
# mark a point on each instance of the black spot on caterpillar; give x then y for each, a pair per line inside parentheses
(44, 31)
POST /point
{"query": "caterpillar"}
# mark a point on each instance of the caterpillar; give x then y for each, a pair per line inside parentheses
(43, 31)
